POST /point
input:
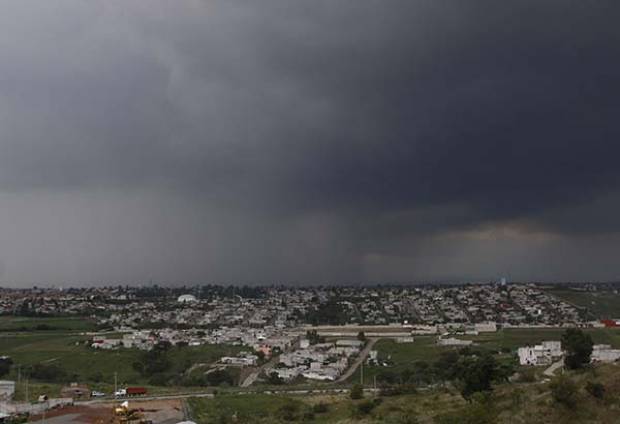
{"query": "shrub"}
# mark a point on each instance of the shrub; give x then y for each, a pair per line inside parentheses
(274, 379)
(596, 390)
(357, 392)
(49, 372)
(288, 412)
(564, 391)
(320, 408)
(159, 379)
(366, 407)
(527, 375)
(5, 366)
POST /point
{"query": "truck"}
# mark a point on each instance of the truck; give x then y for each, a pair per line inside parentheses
(130, 391)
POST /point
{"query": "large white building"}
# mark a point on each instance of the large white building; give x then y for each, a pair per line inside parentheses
(187, 298)
(542, 354)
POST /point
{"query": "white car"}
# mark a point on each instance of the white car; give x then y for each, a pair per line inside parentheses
(95, 393)
(120, 393)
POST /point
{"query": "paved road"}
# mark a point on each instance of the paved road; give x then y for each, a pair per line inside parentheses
(143, 398)
(361, 358)
(250, 379)
(550, 372)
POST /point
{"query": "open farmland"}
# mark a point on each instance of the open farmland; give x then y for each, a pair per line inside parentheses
(30, 324)
(70, 351)
(604, 304)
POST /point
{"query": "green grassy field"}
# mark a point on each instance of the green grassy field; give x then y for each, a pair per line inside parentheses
(600, 304)
(95, 367)
(262, 408)
(28, 324)
(509, 403)
(424, 348)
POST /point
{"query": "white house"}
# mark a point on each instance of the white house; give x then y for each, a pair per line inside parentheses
(452, 341)
(542, 354)
(604, 353)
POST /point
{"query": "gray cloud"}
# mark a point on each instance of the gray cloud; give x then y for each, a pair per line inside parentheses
(283, 141)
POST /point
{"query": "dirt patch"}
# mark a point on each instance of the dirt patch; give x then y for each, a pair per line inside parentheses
(77, 415)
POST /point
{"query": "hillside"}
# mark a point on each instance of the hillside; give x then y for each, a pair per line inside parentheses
(511, 403)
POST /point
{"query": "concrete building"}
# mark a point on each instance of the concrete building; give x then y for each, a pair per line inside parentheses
(604, 353)
(542, 354)
(452, 341)
(7, 389)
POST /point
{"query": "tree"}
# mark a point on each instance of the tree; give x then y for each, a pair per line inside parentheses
(314, 338)
(274, 379)
(5, 366)
(361, 336)
(564, 391)
(476, 374)
(219, 377)
(357, 392)
(578, 346)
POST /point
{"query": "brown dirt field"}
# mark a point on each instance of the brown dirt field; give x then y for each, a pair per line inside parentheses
(83, 414)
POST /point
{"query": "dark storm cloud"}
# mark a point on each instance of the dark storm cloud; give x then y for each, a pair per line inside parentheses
(285, 140)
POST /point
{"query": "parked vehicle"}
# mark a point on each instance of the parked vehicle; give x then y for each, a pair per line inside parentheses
(95, 393)
(135, 391)
(130, 391)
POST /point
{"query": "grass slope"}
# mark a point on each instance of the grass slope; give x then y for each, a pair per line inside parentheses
(513, 403)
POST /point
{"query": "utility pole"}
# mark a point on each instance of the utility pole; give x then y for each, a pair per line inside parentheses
(362, 374)
(27, 397)
(115, 385)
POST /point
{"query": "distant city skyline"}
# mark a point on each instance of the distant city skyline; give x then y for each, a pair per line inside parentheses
(308, 142)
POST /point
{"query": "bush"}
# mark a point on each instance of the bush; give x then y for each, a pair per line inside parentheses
(288, 412)
(366, 407)
(596, 390)
(275, 379)
(49, 372)
(5, 366)
(399, 389)
(320, 408)
(219, 377)
(357, 392)
(159, 379)
(564, 391)
(527, 375)
(481, 410)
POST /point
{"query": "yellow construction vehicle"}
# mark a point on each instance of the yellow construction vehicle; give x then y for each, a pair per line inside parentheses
(123, 414)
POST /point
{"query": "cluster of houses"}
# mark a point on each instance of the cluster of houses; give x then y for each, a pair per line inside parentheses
(282, 307)
(243, 359)
(321, 361)
(265, 340)
(548, 352)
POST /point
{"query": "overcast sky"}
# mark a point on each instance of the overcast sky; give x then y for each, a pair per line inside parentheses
(305, 141)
